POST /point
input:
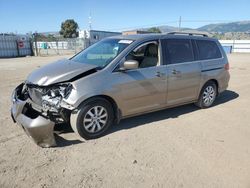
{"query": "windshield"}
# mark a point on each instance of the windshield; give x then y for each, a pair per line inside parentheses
(102, 53)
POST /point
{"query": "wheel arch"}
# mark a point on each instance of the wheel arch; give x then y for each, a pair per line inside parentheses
(199, 101)
(211, 80)
(216, 83)
(117, 111)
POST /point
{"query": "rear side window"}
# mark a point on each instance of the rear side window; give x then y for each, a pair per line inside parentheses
(179, 50)
(208, 50)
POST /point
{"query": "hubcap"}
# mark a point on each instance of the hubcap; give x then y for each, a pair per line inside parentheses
(209, 95)
(95, 119)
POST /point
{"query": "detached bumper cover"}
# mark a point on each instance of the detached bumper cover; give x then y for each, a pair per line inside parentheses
(40, 129)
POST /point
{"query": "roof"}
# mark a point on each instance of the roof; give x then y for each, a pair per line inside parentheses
(161, 35)
(105, 31)
(137, 36)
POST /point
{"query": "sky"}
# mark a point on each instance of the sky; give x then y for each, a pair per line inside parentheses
(22, 16)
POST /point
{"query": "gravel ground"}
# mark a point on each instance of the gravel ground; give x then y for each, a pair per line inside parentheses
(180, 147)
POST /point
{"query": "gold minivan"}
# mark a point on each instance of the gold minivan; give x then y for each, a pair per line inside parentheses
(120, 77)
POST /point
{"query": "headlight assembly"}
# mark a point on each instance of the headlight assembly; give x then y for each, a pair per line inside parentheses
(62, 90)
(52, 96)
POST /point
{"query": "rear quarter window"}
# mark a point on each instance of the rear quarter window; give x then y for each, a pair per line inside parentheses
(208, 50)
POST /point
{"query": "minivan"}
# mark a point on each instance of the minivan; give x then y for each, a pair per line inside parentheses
(120, 77)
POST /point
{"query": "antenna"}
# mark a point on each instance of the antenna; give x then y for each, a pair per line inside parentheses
(90, 22)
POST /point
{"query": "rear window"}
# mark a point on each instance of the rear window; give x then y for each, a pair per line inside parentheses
(179, 50)
(208, 50)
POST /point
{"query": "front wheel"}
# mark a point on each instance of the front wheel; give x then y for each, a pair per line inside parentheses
(93, 118)
(207, 95)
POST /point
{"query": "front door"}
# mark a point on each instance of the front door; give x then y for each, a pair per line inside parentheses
(142, 89)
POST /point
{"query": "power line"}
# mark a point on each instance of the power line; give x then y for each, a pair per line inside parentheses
(143, 26)
(209, 21)
(177, 22)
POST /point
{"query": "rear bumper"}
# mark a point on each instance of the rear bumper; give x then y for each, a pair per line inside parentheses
(223, 85)
(39, 128)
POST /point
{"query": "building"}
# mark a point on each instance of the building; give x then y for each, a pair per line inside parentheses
(135, 32)
(95, 35)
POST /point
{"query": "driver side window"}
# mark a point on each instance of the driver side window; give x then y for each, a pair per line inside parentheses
(146, 55)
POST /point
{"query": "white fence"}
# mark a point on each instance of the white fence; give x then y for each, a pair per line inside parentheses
(238, 46)
(63, 45)
(53, 45)
(67, 46)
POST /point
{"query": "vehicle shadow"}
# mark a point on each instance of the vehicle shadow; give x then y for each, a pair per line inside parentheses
(141, 120)
(64, 129)
(62, 142)
(175, 112)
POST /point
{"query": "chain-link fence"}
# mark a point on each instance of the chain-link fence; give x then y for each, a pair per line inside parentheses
(60, 47)
(75, 45)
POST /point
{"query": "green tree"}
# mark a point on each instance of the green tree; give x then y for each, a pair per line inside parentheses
(40, 37)
(69, 29)
(51, 37)
(154, 30)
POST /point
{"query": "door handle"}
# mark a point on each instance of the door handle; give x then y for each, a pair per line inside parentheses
(160, 74)
(175, 71)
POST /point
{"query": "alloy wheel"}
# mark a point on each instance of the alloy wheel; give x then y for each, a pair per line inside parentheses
(95, 119)
(209, 95)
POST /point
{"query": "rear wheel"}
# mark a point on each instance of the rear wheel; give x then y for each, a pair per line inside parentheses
(93, 118)
(207, 95)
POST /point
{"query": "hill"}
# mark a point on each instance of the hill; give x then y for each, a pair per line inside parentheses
(242, 26)
(234, 30)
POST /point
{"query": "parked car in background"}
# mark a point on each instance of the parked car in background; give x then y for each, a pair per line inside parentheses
(120, 77)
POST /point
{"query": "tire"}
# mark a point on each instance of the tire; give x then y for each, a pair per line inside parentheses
(90, 125)
(207, 95)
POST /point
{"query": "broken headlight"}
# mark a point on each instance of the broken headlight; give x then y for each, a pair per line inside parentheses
(52, 96)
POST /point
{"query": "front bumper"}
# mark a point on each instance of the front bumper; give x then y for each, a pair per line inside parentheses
(39, 128)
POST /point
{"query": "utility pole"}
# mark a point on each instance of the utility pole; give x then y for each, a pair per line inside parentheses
(35, 40)
(90, 27)
(90, 22)
(180, 23)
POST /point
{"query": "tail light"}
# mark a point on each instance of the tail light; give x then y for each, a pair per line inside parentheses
(226, 66)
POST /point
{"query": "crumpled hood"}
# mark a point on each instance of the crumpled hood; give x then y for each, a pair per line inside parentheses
(59, 71)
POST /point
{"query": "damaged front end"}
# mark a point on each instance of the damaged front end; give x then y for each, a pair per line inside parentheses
(38, 108)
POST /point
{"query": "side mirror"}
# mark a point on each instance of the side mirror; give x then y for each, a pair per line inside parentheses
(129, 65)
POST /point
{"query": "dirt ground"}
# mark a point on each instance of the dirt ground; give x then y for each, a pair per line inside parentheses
(180, 147)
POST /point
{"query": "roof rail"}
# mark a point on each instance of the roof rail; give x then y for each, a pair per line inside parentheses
(186, 33)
